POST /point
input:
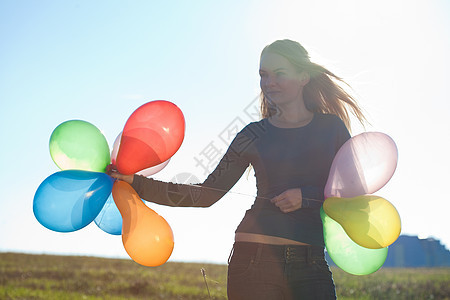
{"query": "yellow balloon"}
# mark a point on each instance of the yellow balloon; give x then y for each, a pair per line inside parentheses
(146, 236)
(370, 221)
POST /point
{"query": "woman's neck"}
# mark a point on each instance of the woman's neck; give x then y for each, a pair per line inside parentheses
(297, 116)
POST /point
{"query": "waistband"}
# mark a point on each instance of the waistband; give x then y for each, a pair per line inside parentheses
(278, 252)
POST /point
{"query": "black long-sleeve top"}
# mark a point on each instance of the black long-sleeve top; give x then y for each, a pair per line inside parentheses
(283, 158)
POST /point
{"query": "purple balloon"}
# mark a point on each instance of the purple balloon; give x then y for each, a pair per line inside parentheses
(363, 165)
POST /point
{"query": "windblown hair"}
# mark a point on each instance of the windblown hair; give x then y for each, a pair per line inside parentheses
(323, 93)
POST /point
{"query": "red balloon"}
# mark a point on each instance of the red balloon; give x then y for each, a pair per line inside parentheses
(152, 135)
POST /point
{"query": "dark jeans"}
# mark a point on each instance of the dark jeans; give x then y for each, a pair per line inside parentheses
(277, 272)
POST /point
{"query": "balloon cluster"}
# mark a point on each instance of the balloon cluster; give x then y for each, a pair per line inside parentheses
(81, 192)
(359, 227)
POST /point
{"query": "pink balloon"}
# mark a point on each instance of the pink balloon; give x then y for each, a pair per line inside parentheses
(146, 172)
(115, 148)
(363, 165)
(153, 170)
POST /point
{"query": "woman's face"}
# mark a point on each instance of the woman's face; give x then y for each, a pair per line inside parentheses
(280, 81)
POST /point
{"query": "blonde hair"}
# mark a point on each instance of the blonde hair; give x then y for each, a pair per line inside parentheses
(322, 94)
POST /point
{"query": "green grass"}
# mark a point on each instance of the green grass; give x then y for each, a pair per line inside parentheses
(24, 276)
(394, 283)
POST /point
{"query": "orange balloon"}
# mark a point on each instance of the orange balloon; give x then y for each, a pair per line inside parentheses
(146, 236)
(152, 134)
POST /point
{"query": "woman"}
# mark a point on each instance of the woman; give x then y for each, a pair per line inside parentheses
(279, 248)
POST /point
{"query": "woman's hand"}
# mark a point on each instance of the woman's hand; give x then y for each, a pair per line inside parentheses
(111, 171)
(289, 200)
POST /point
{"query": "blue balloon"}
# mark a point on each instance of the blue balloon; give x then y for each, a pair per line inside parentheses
(69, 200)
(109, 219)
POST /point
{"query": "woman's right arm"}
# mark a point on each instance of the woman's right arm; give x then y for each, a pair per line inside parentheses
(218, 183)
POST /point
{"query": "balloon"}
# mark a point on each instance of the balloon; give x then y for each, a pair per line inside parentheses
(348, 255)
(370, 221)
(69, 200)
(363, 165)
(146, 236)
(153, 170)
(152, 135)
(109, 219)
(115, 148)
(79, 145)
(146, 172)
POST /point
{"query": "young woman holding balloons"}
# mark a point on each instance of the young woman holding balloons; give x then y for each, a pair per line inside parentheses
(279, 247)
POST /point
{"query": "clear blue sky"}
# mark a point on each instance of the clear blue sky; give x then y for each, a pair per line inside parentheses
(100, 60)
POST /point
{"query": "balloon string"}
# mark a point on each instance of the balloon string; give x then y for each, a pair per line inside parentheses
(243, 194)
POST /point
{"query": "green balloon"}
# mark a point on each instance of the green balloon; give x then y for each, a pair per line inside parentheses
(79, 145)
(348, 255)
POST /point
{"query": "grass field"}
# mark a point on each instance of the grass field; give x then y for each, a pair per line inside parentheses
(24, 276)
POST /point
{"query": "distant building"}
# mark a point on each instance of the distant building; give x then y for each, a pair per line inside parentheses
(412, 252)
